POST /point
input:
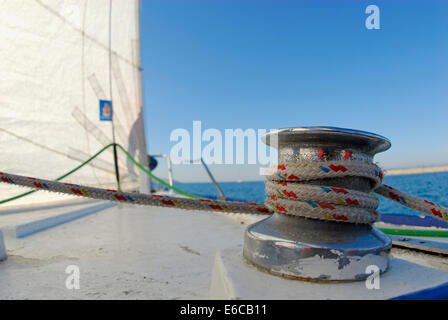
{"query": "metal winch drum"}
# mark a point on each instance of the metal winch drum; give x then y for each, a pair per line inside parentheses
(302, 248)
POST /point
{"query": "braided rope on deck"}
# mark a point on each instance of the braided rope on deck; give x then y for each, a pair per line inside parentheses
(286, 194)
(133, 197)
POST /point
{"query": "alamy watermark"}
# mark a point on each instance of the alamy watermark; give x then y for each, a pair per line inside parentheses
(373, 20)
(230, 146)
(373, 280)
(72, 282)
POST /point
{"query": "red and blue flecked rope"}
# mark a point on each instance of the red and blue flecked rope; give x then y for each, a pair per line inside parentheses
(285, 195)
(133, 197)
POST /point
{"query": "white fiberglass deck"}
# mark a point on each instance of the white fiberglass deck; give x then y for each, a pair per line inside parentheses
(124, 252)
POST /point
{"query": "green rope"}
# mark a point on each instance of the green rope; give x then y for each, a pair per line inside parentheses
(17, 197)
(157, 178)
(61, 177)
(416, 233)
(96, 155)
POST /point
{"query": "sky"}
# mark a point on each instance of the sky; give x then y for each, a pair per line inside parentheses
(276, 64)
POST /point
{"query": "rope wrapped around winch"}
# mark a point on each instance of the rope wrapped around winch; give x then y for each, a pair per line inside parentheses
(285, 194)
(288, 194)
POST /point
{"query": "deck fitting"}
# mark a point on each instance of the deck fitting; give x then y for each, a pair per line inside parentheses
(298, 247)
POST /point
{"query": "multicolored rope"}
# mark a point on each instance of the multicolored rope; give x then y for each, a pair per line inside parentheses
(285, 194)
(289, 193)
(133, 197)
(421, 205)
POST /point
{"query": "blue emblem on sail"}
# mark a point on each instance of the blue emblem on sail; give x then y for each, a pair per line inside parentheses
(106, 110)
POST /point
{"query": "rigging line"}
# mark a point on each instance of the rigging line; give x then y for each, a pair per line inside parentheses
(83, 83)
(57, 14)
(92, 129)
(117, 172)
(97, 163)
(157, 178)
(91, 159)
(61, 177)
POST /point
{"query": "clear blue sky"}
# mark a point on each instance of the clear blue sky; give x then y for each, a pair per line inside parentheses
(275, 64)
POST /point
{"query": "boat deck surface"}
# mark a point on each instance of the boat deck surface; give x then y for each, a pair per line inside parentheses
(123, 252)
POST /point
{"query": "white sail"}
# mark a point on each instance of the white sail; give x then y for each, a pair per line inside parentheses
(55, 66)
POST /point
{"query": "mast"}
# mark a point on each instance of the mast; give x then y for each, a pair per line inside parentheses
(117, 172)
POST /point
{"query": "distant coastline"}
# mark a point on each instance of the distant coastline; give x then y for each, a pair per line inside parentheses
(416, 171)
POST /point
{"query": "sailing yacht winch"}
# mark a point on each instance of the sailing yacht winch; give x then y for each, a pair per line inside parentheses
(295, 246)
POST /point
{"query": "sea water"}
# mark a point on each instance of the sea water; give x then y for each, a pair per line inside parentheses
(430, 186)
